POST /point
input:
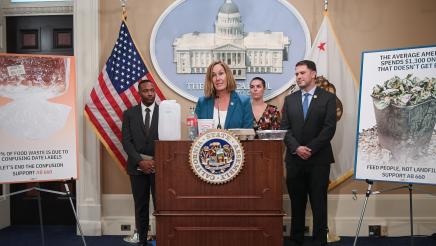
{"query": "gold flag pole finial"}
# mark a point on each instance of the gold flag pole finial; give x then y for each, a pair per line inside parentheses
(123, 5)
(326, 3)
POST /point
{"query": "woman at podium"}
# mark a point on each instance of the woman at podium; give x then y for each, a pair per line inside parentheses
(221, 102)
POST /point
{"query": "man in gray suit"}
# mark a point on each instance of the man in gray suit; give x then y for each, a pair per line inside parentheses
(140, 130)
(309, 115)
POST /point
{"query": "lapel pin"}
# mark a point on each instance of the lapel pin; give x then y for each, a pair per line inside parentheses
(315, 96)
(231, 103)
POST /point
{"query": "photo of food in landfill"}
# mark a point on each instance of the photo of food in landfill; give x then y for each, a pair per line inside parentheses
(405, 112)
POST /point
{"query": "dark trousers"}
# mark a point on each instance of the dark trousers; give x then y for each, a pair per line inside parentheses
(303, 181)
(142, 186)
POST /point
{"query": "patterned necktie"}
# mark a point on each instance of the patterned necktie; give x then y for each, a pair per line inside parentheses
(147, 121)
(305, 104)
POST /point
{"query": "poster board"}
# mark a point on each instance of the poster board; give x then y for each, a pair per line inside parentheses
(396, 139)
(38, 129)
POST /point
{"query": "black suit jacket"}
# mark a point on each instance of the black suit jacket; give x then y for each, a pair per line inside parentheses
(315, 132)
(134, 140)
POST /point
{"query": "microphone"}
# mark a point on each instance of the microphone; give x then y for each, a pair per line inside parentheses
(218, 108)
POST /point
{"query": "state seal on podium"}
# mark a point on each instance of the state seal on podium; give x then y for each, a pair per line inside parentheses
(216, 156)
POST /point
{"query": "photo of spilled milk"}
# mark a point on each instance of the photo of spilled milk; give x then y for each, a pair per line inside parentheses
(28, 83)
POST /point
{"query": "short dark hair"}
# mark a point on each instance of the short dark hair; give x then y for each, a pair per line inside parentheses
(142, 81)
(261, 79)
(310, 64)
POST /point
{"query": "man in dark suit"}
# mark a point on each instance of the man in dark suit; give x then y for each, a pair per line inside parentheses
(309, 115)
(140, 130)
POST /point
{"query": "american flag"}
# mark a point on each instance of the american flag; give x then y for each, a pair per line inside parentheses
(116, 91)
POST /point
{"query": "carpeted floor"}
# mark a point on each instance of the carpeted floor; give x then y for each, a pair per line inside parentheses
(54, 236)
(66, 236)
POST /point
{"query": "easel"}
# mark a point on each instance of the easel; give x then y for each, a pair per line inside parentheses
(369, 191)
(66, 194)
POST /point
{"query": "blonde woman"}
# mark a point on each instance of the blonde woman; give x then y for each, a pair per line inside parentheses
(221, 103)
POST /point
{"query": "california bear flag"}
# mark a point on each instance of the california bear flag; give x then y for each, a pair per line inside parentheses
(331, 64)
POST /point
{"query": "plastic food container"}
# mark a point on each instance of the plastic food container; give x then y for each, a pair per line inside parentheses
(271, 134)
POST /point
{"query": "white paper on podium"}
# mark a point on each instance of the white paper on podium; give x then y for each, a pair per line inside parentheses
(204, 125)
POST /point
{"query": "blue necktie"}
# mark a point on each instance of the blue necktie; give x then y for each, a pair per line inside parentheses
(305, 104)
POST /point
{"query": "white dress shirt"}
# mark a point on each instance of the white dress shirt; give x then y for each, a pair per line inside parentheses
(311, 92)
(219, 119)
(143, 107)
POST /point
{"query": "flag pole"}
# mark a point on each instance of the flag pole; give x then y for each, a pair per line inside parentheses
(331, 237)
(134, 238)
(123, 5)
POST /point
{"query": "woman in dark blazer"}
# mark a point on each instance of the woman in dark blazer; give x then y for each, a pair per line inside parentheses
(221, 103)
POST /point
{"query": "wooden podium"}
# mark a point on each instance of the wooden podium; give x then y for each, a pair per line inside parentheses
(245, 211)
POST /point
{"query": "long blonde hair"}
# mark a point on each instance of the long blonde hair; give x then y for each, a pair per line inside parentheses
(209, 89)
